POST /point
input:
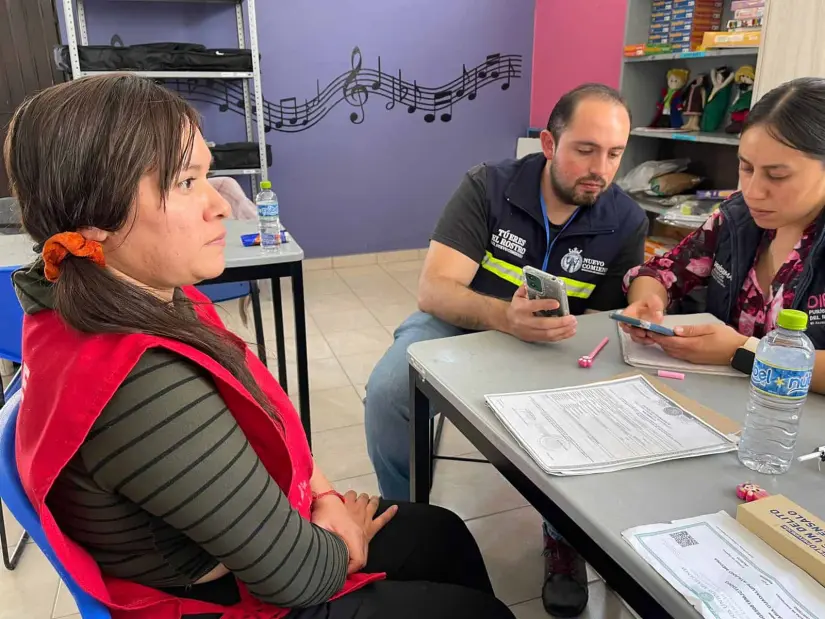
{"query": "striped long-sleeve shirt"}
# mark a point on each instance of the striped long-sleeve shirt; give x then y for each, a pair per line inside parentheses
(166, 487)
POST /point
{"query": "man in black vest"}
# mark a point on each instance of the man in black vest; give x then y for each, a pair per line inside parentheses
(557, 211)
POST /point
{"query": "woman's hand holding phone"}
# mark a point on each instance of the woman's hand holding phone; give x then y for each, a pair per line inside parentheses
(650, 308)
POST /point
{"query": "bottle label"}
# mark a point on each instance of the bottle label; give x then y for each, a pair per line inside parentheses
(267, 209)
(780, 382)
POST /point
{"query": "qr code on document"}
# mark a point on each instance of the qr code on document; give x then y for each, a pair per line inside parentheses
(684, 539)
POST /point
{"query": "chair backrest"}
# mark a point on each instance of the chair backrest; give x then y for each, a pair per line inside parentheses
(225, 292)
(11, 317)
(9, 215)
(13, 495)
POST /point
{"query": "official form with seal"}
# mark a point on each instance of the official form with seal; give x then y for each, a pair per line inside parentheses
(610, 425)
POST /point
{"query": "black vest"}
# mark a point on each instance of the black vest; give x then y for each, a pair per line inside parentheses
(581, 253)
(737, 243)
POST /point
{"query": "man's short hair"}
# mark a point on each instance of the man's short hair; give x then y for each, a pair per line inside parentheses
(563, 111)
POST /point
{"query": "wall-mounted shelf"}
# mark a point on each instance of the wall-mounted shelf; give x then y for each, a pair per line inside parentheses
(186, 1)
(710, 53)
(209, 75)
(239, 172)
(705, 138)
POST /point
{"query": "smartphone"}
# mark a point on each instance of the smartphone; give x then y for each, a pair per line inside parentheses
(641, 324)
(541, 285)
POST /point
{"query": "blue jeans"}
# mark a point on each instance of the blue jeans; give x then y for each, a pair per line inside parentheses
(388, 406)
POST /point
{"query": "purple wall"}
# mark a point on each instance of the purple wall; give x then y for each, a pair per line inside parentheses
(380, 185)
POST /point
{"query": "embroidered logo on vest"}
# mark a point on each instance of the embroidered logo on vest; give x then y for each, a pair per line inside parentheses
(572, 261)
(720, 274)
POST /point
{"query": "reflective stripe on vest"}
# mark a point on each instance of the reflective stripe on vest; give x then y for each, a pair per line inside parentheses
(504, 270)
(514, 275)
(575, 288)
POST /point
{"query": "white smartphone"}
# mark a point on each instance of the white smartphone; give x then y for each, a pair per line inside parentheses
(541, 285)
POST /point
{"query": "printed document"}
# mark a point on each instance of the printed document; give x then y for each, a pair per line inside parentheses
(727, 572)
(605, 426)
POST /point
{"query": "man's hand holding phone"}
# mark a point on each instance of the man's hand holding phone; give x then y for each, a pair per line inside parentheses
(651, 309)
(525, 325)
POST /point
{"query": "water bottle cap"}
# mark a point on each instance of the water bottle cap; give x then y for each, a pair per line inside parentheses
(266, 185)
(792, 319)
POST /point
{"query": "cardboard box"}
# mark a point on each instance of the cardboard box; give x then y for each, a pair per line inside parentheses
(659, 28)
(731, 39)
(744, 24)
(704, 4)
(644, 49)
(691, 26)
(737, 5)
(710, 14)
(793, 532)
(755, 13)
(660, 18)
(658, 246)
(661, 5)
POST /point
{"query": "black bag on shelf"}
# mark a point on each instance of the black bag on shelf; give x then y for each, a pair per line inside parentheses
(238, 155)
(172, 56)
(235, 60)
(94, 58)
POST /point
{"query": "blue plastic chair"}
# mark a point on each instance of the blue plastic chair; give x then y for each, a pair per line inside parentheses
(11, 341)
(225, 292)
(12, 493)
(11, 317)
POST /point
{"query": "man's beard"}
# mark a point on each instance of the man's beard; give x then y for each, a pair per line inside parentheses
(570, 195)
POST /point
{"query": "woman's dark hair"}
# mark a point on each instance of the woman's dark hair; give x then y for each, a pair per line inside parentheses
(75, 154)
(794, 114)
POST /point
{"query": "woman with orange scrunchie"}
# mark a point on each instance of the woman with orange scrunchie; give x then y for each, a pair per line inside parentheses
(168, 467)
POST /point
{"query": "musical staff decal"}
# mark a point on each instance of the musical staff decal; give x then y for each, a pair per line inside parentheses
(356, 87)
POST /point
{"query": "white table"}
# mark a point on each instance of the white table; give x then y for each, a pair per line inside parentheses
(242, 264)
(591, 511)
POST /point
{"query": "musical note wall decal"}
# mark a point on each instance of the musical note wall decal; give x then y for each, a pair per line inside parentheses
(354, 87)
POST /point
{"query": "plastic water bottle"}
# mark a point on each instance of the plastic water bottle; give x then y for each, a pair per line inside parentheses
(269, 218)
(779, 385)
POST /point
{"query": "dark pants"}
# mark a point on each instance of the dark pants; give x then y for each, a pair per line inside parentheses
(434, 571)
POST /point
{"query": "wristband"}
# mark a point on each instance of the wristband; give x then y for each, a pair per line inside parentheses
(317, 496)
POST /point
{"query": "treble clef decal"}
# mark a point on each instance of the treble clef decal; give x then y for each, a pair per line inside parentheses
(354, 93)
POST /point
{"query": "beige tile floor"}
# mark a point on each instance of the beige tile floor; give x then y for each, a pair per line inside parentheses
(353, 306)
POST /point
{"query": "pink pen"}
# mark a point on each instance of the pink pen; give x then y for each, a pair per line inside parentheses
(587, 360)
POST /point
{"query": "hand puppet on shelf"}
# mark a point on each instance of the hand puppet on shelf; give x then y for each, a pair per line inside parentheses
(741, 106)
(721, 80)
(670, 105)
(697, 97)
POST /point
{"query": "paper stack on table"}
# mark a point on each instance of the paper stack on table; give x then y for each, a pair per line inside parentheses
(727, 572)
(609, 426)
(654, 358)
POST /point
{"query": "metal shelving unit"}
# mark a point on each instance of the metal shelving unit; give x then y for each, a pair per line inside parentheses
(687, 136)
(641, 83)
(77, 34)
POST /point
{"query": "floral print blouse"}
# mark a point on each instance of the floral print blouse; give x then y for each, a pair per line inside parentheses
(688, 265)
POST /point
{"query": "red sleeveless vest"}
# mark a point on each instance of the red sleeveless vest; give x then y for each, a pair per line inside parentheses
(69, 377)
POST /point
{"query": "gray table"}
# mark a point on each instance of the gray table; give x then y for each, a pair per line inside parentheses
(454, 374)
(243, 264)
(251, 264)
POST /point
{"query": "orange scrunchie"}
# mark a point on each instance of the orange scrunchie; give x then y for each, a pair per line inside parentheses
(61, 245)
